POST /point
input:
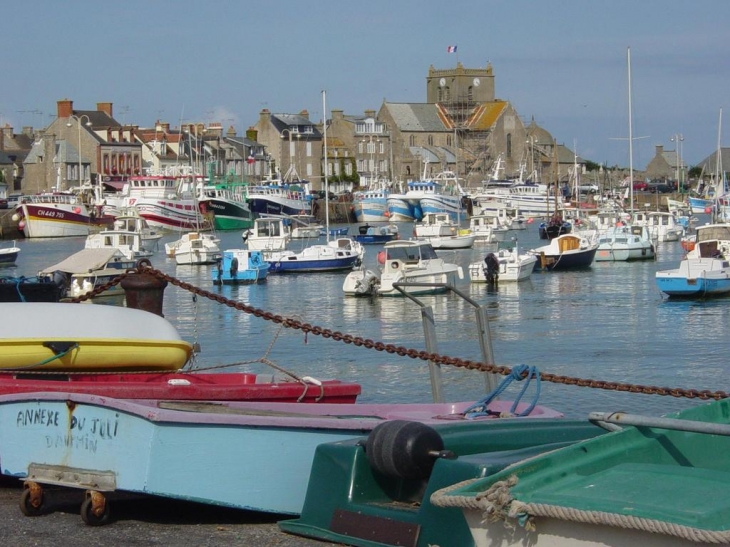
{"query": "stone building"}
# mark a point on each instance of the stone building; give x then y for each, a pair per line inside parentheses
(81, 147)
(665, 165)
(14, 148)
(293, 144)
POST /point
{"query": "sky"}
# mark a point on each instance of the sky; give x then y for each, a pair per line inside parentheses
(562, 62)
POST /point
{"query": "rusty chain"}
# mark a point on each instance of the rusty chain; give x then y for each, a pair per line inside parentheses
(144, 267)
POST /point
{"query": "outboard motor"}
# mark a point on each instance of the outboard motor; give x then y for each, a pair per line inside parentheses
(491, 268)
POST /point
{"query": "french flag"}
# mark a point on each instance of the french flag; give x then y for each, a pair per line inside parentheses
(451, 49)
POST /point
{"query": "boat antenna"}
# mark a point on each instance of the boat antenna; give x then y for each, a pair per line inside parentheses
(326, 184)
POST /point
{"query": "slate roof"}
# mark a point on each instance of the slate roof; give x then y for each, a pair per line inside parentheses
(710, 162)
(417, 117)
(290, 121)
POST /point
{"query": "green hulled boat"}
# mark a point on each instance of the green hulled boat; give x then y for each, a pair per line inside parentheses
(228, 202)
(375, 491)
(659, 481)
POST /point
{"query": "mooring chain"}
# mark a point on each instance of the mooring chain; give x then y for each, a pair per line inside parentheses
(288, 322)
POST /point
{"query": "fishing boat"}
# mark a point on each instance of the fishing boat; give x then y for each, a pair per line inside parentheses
(87, 270)
(705, 271)
(487, 229)
(651, 481)
(56, 214)
(278, 198)
(9, 254)
(183, 386)
(371, 205)
(415, 262)
(376, 235)
(337, 255)
(40, 336)
(438, 194)
(268, 234)
(167, 199)
(305, 227)
(567, 251)
(240, 266)
(194, 248)
(662, 226)
(503, 265)
(624, 242)
(228, 202)
(263, 449)
(355, 497)
(125, 235)
(443, 233)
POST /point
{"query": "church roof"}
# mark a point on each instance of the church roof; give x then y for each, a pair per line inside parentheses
(416, 117)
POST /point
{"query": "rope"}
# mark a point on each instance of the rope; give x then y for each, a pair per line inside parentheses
(519, 373)
(498, 504)
(52, 358)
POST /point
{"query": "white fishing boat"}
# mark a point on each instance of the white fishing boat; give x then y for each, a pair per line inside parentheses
(503, 265)
(487, 229)
(624, 242)
(194, 248)
(662, 226)
(126, 234)
(55, 215)
(268, 234)
(438, 194)
(415, 262)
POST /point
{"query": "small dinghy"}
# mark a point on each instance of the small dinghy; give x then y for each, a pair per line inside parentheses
(69, 337)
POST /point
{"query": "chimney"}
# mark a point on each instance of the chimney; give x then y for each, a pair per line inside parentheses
(64, 108)
(304, 113)
(265, 117)
(659, 149)
(28, 130)
(251, 133)
(370, 113)
(337, 115)
(106, 108)
(231, 132)
(7, 132)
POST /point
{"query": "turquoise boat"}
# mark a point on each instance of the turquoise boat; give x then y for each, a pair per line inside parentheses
(659, 481)
(240, 266)
(356, 497)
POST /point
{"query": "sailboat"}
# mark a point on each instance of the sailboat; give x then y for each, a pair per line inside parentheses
(340, 254)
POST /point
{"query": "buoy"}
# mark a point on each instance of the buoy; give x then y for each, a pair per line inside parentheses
(77, 210)
(403, 449)
(708, 210)
(21, 225)
(386, 214)
(15, 217)
(530, 220)
(381, 257)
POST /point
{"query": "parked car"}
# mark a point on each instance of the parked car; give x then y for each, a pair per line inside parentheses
(14, 200)
(640, 186)
(660, 188)
(3, 203)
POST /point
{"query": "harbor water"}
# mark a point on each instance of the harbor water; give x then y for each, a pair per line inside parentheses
(609, 323)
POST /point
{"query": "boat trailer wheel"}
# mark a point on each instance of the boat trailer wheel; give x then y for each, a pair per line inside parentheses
(95, 509)
(32, 499)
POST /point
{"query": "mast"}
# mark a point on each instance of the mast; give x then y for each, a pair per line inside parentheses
(326, 184)
(719, 182)
(631, 138)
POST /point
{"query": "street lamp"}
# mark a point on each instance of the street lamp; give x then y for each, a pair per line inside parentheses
(678, 138)
(87, 124)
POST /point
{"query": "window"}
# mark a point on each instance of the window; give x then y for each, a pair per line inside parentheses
(309, 169)
(412, 140)
(430, 140)
(509, 145)
(381, 145)
(309, 149)
(348, 168)
(448, 140)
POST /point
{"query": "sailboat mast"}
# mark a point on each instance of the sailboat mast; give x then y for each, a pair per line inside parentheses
(719, 182)
(631, 137)
(326, 184)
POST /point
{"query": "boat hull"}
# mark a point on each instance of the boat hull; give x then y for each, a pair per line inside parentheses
(54, 220)
(229, 215)
(39, 336)
(182, 386)
(654, 481)
(264, 451)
